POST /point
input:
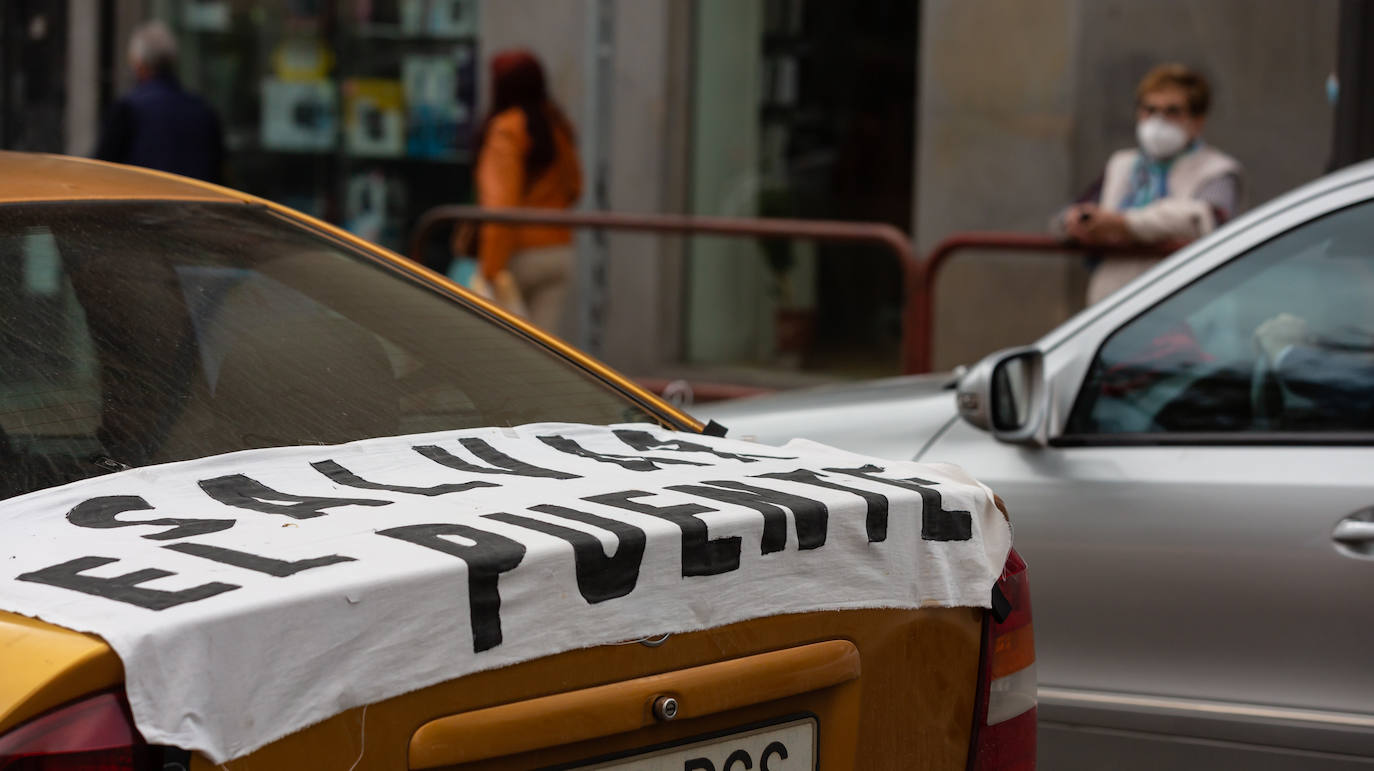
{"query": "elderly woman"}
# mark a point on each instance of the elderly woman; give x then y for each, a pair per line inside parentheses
(1171, 187)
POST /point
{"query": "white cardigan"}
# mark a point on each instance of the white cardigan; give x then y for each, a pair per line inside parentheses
(1179, 216)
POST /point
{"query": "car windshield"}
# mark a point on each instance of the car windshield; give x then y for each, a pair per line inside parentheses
(149, 332)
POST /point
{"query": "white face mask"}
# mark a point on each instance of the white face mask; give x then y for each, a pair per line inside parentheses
(1160, 138)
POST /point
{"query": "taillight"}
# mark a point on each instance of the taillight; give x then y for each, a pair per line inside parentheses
(94, 734)
(1004, 715)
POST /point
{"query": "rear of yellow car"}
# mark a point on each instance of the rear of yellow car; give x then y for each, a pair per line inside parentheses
(871, 689)
(936, 688)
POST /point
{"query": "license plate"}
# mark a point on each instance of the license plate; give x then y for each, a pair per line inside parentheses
(785, 747)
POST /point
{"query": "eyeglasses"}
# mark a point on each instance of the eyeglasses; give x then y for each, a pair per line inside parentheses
(1168, 111)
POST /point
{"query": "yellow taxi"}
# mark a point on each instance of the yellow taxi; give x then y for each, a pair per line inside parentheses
(274, 498)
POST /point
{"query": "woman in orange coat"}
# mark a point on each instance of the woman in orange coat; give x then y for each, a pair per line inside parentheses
(527, 158)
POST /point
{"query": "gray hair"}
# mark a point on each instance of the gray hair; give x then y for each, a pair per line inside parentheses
(152, 45)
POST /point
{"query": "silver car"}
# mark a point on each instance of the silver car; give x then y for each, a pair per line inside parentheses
(1191, 467)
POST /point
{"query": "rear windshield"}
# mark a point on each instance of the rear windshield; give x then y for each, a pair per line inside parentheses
(140, 333)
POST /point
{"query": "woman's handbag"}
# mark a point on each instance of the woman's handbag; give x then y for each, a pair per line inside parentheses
(501, 291)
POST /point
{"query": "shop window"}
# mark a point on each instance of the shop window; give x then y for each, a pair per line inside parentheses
(359, 112)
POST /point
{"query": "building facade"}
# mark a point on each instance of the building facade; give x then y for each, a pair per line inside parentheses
(934, 116)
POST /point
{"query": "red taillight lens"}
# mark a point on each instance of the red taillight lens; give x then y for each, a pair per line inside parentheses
(95, 734)
(1004, 716)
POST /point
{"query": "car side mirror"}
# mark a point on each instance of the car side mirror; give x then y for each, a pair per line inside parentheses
(1005, 395)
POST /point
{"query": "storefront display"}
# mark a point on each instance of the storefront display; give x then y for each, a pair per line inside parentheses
(358, 111)
(437, 118)
(298, 115)
(373, 117)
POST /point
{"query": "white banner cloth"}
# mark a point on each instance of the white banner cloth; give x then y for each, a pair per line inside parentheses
(252, 594)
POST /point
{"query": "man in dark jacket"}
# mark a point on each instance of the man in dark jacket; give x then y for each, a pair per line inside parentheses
(158, 124)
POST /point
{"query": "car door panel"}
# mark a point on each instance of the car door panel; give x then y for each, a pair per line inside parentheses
(1195, 573)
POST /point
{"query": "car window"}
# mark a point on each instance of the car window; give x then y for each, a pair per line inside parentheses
(1280, 339)
(139, 333)
(48, 375)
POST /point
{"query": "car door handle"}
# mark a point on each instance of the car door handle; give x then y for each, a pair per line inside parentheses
(1354, 535)
(1353, 532)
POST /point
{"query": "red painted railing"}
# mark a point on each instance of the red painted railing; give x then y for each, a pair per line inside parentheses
(918, 275)
(920, 296)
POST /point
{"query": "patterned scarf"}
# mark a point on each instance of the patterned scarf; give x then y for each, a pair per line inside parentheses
(1150, 179)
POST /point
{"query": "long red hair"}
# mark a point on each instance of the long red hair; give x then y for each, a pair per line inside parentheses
(517, 81)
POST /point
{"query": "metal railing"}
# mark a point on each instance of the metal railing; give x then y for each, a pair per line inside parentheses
(918, 276)
(920, 299)
(887, 236)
